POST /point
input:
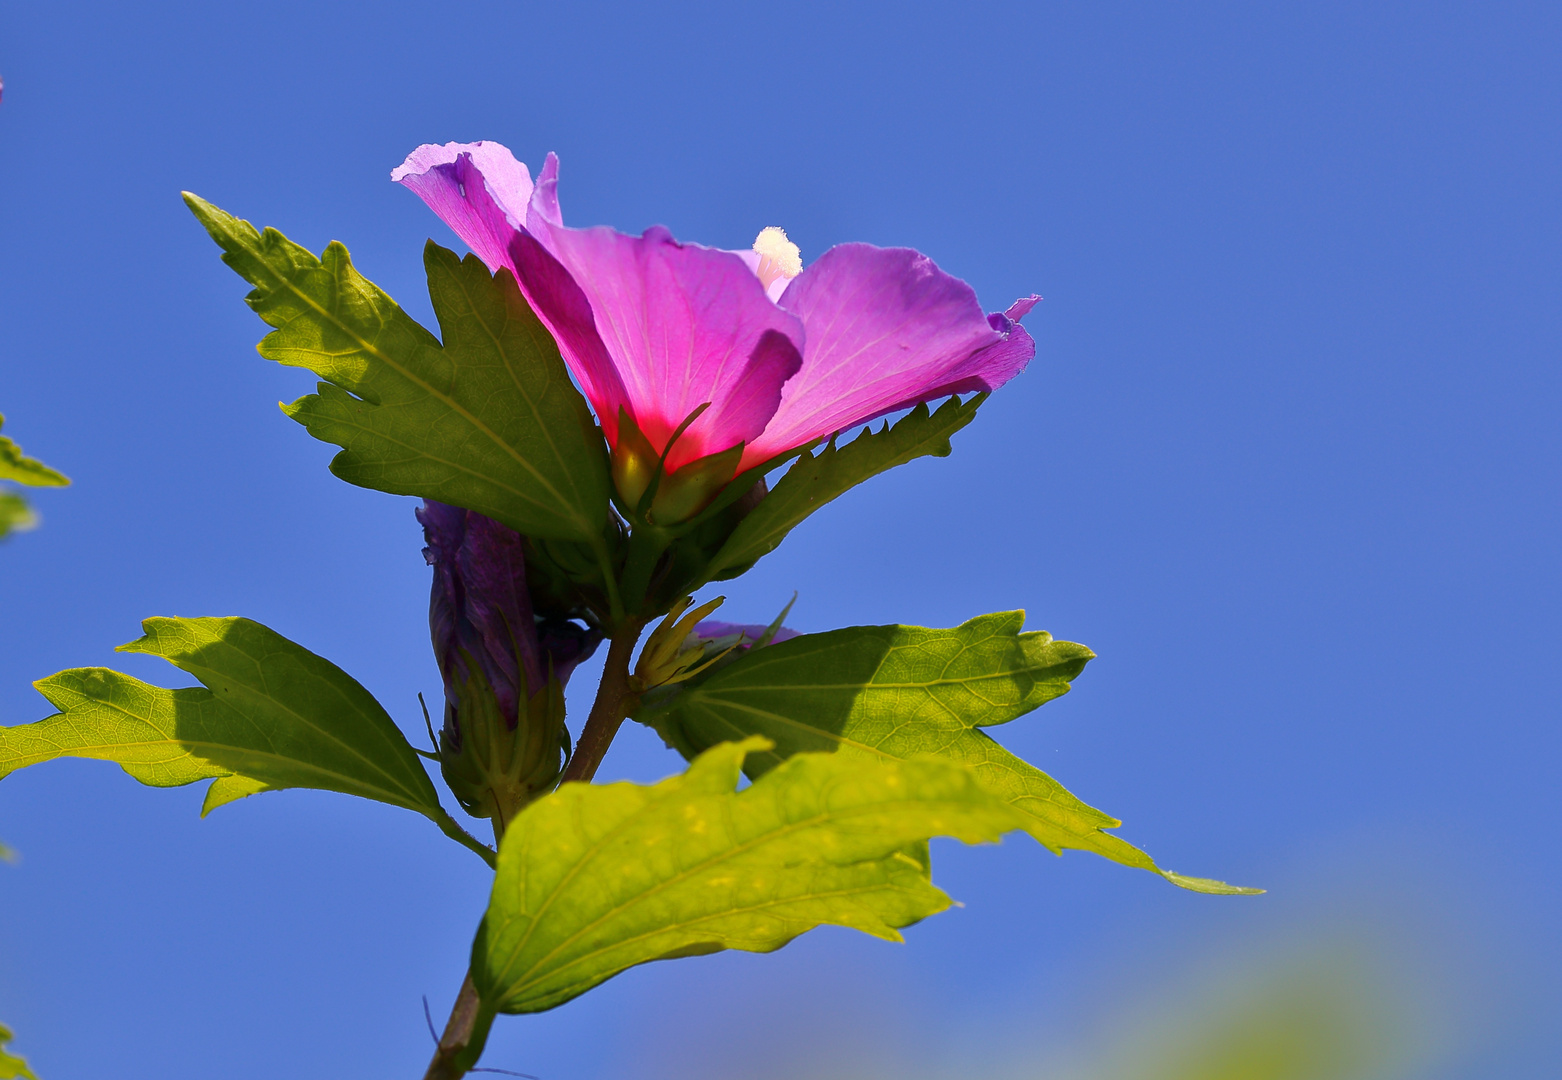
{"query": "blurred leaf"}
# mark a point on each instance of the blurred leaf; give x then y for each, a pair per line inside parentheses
(11, 1066)
(594, 879)
(15, 514)
(889, 693)
(1319, 1014)
(271, 715)
(16, 467)
(816, 479)
(488, 421)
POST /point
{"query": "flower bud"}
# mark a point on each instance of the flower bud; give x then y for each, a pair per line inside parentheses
(503, 738)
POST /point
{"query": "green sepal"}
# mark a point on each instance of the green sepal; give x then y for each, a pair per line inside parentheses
(594, 879)
(815, 479)
(270, 714)
(488, 420)
(878, 693)
(498, 764)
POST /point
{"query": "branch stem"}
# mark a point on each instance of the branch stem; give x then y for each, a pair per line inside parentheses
(467, 1029)
(453, 1057)
(609, 709)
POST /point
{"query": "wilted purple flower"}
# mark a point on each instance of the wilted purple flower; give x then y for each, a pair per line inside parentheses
(784, 355)
(495, 657)
(480, 608)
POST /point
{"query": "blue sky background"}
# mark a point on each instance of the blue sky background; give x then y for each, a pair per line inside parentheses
(1287, 459)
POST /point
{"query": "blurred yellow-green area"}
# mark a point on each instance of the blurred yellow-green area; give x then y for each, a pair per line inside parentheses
(1323, 1013)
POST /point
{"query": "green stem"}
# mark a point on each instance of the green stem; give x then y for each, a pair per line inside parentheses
(646, 545)
(609, 709)
(467, 1029)
(609, 579)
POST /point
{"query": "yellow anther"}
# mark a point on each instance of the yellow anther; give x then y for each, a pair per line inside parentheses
(778, 256)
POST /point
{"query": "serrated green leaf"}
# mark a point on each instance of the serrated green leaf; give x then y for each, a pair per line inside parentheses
(903, 692)
(11, 1066)
(488, 420)
(20, 469)
(595, 879)
(815, 479)
(271, 714)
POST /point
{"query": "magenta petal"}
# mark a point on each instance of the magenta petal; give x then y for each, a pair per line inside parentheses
(478, 189)
(885, 328)
(566, 312)
(1021, 307)
(545, 196)
(683, 325)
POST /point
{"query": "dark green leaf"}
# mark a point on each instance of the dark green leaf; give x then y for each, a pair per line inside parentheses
(889, 693)
(594, 879)
(271, 715)
(488, 421)
(815, 479)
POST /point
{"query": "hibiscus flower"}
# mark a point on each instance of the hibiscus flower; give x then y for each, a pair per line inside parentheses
(762, 352)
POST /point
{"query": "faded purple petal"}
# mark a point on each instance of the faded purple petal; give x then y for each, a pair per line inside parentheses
(711, 630)
(567, 644)
(683, 325)
(478, 189)
(1020, 308)
(480, 608)
(885, 328)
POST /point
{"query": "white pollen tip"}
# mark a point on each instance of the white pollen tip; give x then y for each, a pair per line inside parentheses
(777, 254)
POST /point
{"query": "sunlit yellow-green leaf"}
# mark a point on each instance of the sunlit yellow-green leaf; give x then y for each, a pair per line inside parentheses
(890, 693)
(270, 715)
(594, 879)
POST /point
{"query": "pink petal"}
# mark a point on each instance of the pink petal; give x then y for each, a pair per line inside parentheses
(885, 329)
(478, 189)
(564, 309)
(683, 325)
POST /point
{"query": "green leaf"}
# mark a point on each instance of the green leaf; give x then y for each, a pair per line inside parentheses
(11, 1066)
(816, 479)
(20, 469)
(488, 421)
(15, 514)
(271, 715)
(889, 693)
(594, 879)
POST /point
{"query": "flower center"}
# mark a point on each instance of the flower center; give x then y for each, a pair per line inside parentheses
(778, 256)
